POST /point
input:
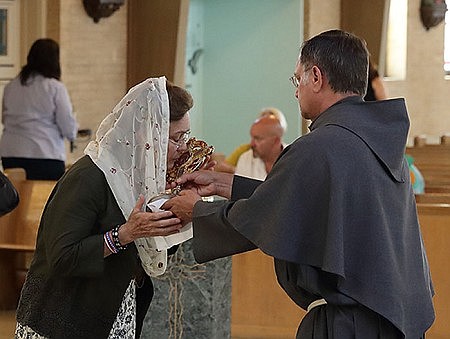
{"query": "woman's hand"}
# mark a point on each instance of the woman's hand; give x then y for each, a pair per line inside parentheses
(142, 224)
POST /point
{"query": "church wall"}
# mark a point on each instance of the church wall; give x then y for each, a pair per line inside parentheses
(425, 88)
(250, 51)
(93, 58)
(93, 62)
(319, 16)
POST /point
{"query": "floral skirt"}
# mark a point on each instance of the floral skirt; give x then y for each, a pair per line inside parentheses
(124, 326)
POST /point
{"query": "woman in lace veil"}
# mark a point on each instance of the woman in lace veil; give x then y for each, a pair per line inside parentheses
(89, 277)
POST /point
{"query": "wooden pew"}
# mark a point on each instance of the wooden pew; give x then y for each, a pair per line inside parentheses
(8, 290)
(433, 198)
(18, 232)
(16, 176)
(433, 161)
(259, 307)
(435, 225)
(437, 189)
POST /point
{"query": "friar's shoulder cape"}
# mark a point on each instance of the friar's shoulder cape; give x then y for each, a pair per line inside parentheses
(339, 199)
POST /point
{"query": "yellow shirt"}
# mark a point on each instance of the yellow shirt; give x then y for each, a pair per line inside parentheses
(233, 158)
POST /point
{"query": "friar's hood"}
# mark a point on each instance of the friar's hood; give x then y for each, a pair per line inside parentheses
(384, 128)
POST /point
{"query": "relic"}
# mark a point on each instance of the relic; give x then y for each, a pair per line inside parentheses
(190, 161)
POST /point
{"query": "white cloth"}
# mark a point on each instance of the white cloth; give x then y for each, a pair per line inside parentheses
(36, 118)
(163, 243)
(250, 166)
(131, 150)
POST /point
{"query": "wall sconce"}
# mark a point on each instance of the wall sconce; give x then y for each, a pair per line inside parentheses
(193, 62)
(432, 12)
(97, 9)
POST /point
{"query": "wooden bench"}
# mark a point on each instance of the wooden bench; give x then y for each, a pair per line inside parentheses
(18, 231)
(433, 161)
(421, 140)
(259, 307)
(435, 225)
(433, 198)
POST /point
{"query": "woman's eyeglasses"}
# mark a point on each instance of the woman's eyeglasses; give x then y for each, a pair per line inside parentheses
(182, 139)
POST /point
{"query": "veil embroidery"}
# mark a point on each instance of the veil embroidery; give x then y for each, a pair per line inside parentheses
(131, 150)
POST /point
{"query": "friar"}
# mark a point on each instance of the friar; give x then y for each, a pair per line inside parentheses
(336, 212)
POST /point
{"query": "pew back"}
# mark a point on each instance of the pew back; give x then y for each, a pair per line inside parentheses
(433, 161)
(19, 229)
(259, 307)
(16, 176)
(433, 198)
(435, 226)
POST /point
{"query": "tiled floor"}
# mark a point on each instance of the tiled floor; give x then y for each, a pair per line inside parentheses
(7, 324)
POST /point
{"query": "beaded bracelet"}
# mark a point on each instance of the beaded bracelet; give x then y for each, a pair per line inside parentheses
(109, 243)
(115, 237)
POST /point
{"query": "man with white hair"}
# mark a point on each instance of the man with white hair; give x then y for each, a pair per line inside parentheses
(231, 160)
(265, 146)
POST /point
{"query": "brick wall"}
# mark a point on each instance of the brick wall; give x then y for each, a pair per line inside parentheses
(93, 62)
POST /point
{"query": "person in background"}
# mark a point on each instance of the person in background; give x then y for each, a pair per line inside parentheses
(337, 211)
(37, 116)
(229, 164)
(95, 248)
(375, 86)
(266, 145)
(417, 180)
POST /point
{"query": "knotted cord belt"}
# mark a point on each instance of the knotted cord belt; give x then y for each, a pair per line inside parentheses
(316, 303)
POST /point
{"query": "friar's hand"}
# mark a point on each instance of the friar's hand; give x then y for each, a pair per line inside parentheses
(209, 164)
(182, 205)
(207, 183)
